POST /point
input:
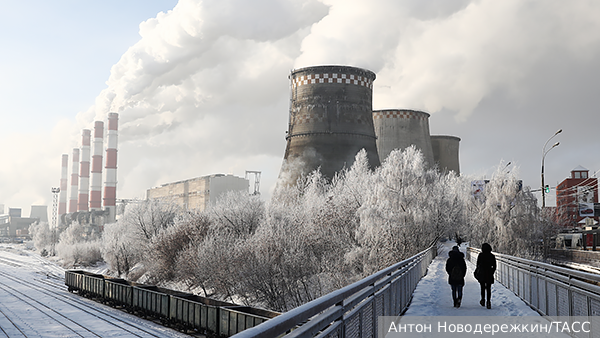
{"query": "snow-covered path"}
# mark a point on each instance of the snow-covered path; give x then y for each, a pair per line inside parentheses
(433, 296)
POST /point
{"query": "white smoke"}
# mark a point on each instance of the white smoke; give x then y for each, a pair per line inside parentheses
(205, 90)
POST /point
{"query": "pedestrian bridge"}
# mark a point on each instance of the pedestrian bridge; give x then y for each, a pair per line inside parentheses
(418, 287)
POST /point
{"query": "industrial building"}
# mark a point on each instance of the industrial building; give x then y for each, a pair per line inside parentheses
(14, 225)
(198, 193)
(576, 197)
(331, 119)
(87, 202)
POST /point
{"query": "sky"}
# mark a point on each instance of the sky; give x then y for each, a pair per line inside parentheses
(201, 87)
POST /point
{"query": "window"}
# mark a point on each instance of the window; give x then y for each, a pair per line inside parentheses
(583, 175)
(576, 174)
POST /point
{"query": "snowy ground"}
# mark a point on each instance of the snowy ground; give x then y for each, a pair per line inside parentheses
(433, 296)
(34, 302)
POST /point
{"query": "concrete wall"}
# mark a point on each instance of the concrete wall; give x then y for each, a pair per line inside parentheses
(446, 152)
(330, 120)
(401, 128)
(198, 193)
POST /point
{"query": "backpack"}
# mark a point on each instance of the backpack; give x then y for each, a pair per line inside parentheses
(456, 273)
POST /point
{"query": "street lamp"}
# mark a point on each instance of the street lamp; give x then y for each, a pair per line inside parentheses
(544, 152)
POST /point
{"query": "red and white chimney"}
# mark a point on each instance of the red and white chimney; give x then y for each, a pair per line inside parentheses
(74, 181)
(84, 172)
(96, 186)
(64, 176)
(110, 184)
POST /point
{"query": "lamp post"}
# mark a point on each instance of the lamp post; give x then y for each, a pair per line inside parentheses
(544, 152)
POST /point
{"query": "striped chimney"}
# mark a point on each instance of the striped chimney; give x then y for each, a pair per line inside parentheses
(74, 181)
(84, 172)
(64, 177)
(110, 185)
(96, 186)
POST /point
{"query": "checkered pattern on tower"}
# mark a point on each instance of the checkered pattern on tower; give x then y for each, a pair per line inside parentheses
(333, 78)
(401, 114)
(320, 117)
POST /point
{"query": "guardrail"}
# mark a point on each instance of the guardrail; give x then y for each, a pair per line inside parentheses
(353, 310)
(551, 290)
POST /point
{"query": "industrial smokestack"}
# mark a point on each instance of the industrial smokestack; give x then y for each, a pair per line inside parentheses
(96, 185)
(401, 128)
(74, 181)
(445, 152)
(330, 120)
(110, 185)
(64, 176)
(84, 172)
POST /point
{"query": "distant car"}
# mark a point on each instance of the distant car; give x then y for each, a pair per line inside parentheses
(586, 211)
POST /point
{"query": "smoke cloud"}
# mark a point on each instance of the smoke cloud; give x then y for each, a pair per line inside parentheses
(205, 90)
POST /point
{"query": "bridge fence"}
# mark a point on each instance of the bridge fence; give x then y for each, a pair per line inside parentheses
(551, 290)
(352, 311)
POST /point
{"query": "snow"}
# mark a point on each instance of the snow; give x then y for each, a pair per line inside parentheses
(433, 296)
(35, 303)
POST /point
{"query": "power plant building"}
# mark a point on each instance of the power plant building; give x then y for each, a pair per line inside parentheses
(401, 128)
(445, 152)
(330, 120)
(198, 193)
(86, 203)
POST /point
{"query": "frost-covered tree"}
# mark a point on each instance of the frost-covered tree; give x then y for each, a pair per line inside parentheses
(44, 238)
(79, 245)
(397, 217)
(508, 218)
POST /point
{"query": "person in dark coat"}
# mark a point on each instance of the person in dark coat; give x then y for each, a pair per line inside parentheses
(486, 266)
(456, 269)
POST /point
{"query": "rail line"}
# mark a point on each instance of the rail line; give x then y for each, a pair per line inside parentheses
(72, 301)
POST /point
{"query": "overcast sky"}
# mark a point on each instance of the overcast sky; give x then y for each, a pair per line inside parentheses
(202, 86)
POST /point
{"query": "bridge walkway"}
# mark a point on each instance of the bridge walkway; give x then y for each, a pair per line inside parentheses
(433, 296)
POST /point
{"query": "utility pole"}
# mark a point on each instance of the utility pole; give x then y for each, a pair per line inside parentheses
(54, 224)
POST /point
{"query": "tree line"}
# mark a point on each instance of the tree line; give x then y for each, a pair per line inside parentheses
(310, 238)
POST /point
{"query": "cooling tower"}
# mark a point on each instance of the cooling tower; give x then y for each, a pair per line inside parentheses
(74, 181)
(96, 172)
(330, 120)
(445, 152)
(401, 128)
(110, 185)
(84, 172)
(40, 212)
(64, 177)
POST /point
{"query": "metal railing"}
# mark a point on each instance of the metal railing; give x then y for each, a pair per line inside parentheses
(351, 311)
(551, 290)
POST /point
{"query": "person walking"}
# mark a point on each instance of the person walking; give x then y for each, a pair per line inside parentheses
(484, 273)
(456, 269)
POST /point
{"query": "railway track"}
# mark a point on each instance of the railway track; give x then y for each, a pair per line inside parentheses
(62, 313)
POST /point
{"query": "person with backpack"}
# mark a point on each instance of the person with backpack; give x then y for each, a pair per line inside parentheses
(484, 273)
(456, 269)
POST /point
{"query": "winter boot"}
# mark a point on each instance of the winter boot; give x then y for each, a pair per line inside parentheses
(482, 302)
(458, 302)
(489, 304)
(454, 302)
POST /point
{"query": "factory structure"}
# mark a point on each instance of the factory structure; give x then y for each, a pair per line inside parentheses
(198, 193)
(331, 119)
(91, 197)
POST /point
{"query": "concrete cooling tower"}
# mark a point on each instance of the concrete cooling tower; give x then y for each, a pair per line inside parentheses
(330, 120)
(445, 152)
(401, 128)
